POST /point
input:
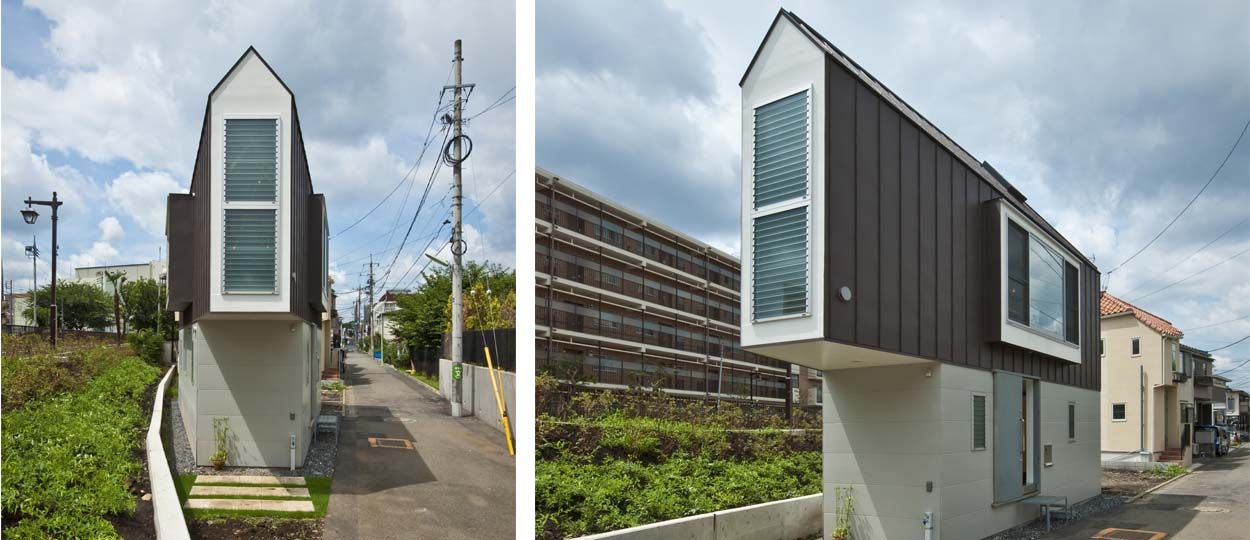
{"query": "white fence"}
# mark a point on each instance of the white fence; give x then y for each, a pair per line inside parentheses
(789, 519)
(167, 512)
(478, 398)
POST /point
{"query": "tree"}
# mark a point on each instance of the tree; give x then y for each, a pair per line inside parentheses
(424, 315)
(145, 307)
(82, 306)
(117, 279)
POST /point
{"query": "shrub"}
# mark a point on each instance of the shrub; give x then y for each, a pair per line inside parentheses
(40, 373)
(1168, 471)
(148, 344)
(69, 459)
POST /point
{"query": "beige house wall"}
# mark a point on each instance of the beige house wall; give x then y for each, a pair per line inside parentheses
(261, 375)
(1122, 383)
(889, 430)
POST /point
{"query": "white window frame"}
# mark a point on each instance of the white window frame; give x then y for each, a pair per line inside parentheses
(778, 207)
(1113, 418)
(1134, 343)
(276, 205)
(1022, 335)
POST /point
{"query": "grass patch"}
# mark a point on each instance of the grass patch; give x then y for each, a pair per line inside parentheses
(70, 458)
(318, 491)
(427, 379)
(1167, 472)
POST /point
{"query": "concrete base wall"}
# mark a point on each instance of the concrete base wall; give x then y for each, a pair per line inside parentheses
(779, 520)
(261, 375)
(889, 431)
(478, 398)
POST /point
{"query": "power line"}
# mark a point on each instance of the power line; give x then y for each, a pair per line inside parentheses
(1186, 278)
(498, 102)
(1234, 368)
(1242, 318)
(1182, 260)
(1229, 345)
(433, 174)
(479, 202)
(1191, 201)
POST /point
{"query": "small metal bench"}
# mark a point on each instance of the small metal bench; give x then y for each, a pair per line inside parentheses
(1048, 504)
(328, 423)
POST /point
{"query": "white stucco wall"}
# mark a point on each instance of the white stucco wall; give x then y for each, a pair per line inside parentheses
(889, 430)
(257, 373)
(251, 91)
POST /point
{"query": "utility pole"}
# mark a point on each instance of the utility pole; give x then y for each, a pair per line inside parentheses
(457, 245)
(370, 308)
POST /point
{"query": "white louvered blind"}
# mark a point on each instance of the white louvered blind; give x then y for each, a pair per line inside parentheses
(781, 208)
(250, 174)
(781, 135)
(251, 171)
(780, 263)
(250, 262)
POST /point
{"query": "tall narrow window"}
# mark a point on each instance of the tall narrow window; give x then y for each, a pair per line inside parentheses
(1071, 421)
(978, 422)
(250, 175)
(1017, 274)
(781, 207)
(1071, 304)
(1136, 346)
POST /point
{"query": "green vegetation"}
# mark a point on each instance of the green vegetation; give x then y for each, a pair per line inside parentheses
(143, 301)
(616, 460)
(81, 305)
(318, 491)
(842, 512)
(1167, 472)
(31, 372)
(71, 443)
(425, 314)
(147, 344)
(333, 386)
(221, 436)
(431, 380)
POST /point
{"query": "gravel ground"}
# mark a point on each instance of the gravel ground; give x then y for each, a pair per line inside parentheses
(1037, 528)
(320, 461)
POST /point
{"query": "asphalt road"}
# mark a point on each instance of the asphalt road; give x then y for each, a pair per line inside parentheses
(1211, 503)
(457, 481)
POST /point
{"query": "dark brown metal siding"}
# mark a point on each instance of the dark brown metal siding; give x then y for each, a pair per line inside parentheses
(181, 231)
(906, 230)
(201, 189)
(315, 235)
(301, 201)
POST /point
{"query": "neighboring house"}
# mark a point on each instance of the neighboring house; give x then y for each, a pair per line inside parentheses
(248, 275)
(1148, 403)
(381, 309)
(955, 327)
(15, 309)
(1237, 409)
(1200, 364)
(806, 386)
(1219, 400)
(627, 300)
(98, 275)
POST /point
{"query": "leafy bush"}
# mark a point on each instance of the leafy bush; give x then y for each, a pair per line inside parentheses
(32, 372)
(148, 344)
(69, 459)
(1169, 471)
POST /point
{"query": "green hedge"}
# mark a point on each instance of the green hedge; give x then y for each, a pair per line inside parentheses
(69, 459)
(31, 371)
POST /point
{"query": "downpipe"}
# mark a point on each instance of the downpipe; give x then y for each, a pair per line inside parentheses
(927, 523)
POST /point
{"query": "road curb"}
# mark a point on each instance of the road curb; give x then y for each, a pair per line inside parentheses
(1153, 489)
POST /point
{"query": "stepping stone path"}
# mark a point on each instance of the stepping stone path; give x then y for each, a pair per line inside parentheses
(291, 488)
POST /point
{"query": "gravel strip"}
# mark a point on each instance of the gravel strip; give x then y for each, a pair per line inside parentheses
(1037, 528)
(320, 460)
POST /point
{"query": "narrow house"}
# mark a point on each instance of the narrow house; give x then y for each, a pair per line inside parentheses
(1148, 391)
(956, 328)
(248, 275)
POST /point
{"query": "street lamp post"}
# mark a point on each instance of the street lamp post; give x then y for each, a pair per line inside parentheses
(29, 215)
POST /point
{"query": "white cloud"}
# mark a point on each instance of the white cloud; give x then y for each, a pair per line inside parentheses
(111, 229)
(141, 196)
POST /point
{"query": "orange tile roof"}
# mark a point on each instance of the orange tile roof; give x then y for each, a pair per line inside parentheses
(1110, 305)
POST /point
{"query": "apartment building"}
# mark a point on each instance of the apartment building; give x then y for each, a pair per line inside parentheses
(956, 328)
(1148, 406)
(248, 275)
(623, 301)
(98, 275)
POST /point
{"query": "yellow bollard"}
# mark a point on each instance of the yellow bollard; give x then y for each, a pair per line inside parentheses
(503, 410)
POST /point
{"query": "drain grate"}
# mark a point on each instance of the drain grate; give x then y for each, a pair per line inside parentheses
(400, 444)
(1128, 534)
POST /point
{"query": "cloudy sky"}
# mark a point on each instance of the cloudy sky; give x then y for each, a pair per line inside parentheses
(104, 105)
(1109, 116)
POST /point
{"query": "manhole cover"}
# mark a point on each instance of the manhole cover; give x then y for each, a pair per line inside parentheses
(1127, 534)
(401, 444)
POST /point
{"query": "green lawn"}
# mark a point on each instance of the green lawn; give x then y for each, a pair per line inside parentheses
(318, 490)
(427, 379)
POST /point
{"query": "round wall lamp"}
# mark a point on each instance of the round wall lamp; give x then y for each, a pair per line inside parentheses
(845, 294)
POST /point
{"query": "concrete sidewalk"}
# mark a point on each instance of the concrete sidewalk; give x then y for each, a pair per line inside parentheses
(1213, 502)
(456, 482)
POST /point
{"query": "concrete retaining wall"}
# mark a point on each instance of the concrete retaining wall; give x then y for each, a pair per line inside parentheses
(799, 517)
(478, 398)
(167, 513)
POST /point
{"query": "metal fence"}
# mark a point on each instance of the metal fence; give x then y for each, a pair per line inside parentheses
(502, 343)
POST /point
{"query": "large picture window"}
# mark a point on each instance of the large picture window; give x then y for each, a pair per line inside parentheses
(1043, 288)
(780, 214)
(250, 174)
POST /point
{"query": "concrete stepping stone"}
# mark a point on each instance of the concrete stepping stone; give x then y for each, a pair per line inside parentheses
(246, 504)
(255, 480)
(249, 491)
